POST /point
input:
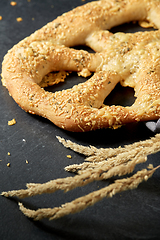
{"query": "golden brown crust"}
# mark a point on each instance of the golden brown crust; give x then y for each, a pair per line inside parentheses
(131, 59)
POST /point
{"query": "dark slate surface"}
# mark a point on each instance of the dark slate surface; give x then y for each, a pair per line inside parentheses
(129, 215)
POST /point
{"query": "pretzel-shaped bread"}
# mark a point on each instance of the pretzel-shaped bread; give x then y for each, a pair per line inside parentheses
(131, 59)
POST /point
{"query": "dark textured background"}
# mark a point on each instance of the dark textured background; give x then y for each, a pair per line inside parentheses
(129, 215)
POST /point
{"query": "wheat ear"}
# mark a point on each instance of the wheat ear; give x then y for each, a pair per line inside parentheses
(83, 202)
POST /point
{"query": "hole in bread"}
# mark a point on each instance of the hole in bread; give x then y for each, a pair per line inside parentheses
(58, 81)
(131, 28)
(70, 80)
(84, 47)
(120, 96)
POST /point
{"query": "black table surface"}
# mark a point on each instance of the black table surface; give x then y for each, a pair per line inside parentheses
(129, 215)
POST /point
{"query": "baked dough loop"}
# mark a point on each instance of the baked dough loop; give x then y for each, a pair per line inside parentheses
(131, 59)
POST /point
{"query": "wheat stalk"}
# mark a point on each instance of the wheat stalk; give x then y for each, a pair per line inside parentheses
(90, 199)
(120, 161)
(70, 183)
(95, 155)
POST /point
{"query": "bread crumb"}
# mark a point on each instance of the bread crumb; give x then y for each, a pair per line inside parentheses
(150, 166)
(19, 19)
(13, 3)
(12, 122)
(8, 164)
(0, 18)
(69, 156)
(27, 161)
(9, 154)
